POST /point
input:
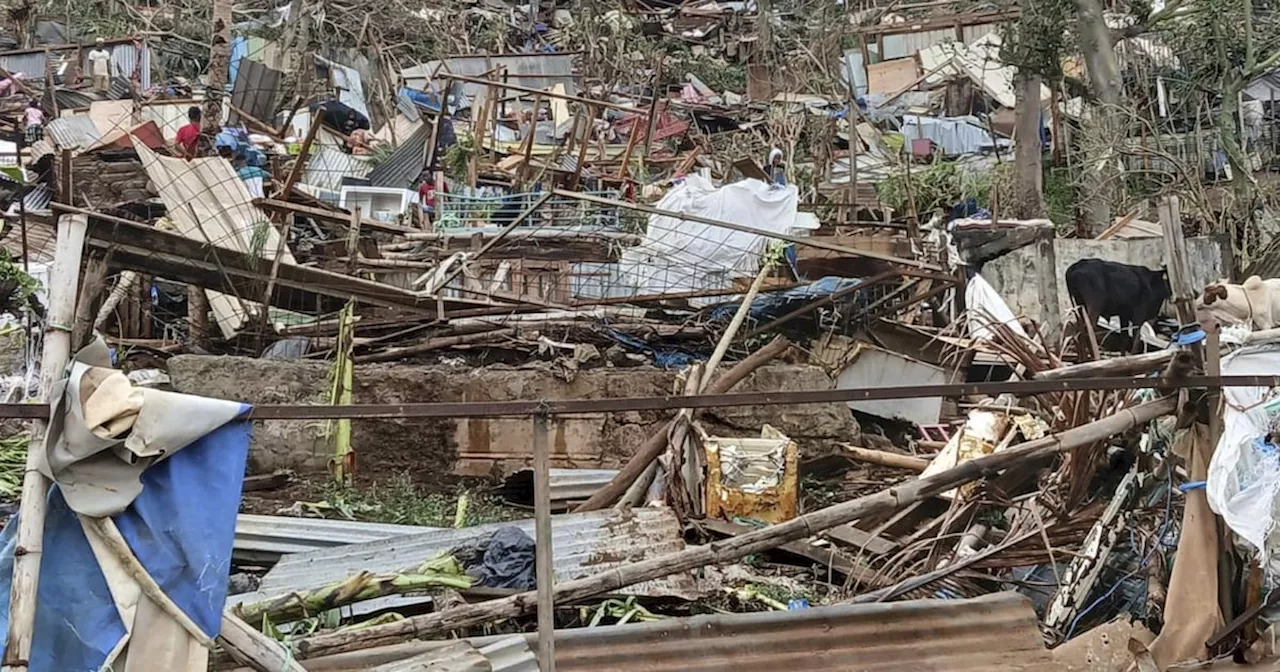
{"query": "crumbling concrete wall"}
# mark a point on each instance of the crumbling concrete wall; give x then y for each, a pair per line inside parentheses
(433, 450)
(1020, 276)
(104, 178)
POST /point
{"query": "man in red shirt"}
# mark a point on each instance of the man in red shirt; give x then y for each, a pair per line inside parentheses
(188, 140)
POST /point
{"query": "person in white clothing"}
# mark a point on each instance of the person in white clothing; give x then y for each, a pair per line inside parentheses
(100, 67)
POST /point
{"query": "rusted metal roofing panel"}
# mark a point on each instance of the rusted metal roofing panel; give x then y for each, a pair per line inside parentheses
(584, 544)
(399, 170)
(993, 632)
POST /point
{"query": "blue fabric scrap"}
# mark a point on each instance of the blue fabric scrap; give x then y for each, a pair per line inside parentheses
(667, 358)
(771, 304)
(181, 528)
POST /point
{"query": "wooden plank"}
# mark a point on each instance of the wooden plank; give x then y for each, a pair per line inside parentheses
(303, 289)
(838, 562)
(851, 536)
(891, 76)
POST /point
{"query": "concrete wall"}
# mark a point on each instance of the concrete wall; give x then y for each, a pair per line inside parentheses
(436, 450)
(1017, 275)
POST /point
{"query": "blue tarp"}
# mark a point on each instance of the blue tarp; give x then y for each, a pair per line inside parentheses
(181, 528)
(772, 304)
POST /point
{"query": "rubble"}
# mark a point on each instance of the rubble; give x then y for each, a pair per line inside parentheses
(762, 309)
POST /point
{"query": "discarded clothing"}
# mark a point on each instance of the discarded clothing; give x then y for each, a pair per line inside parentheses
(508, 561)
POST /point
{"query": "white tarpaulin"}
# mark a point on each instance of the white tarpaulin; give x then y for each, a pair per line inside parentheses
(680, 256)
(1244, 476)
(987, 308)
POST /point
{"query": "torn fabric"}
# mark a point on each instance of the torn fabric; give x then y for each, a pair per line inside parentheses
(103, 432)
(181, 528)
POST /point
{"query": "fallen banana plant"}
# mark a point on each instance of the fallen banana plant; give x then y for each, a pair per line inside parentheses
(441, 572)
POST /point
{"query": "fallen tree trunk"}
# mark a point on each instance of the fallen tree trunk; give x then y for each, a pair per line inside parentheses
(808, 525)
(657, 443)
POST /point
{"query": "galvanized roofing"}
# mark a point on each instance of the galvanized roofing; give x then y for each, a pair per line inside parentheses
(269, 537)
(993, 632)
(73, 132)
(535, 71)
(584, 544)
(399, 170)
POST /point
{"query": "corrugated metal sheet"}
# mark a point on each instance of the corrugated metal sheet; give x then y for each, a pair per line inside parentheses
(537, 71)
(584, 544)
(73, 132)
(326, 166)
(399, 170)
(32, 65)
(268, 537)
(567, 485)
(994, 632)
(255, 90)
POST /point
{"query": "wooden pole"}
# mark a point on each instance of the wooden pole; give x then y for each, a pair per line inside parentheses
(353, 243)
(544, 566)
(657, 442)
(63, 279)
(886, 459)
(250, 647)
(295, 171)
(886, 501)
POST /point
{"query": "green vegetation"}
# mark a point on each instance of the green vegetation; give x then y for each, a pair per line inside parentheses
(398, 500)
(13, 462)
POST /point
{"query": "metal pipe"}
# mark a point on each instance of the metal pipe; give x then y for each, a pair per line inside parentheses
(494, 409)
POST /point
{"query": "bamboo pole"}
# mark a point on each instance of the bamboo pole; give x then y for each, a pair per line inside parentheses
(545, 572)
(126, 282)
(886, 459)
(250, 647)
(393, 354)
(728, 550)
(657, 442)
(57, 351)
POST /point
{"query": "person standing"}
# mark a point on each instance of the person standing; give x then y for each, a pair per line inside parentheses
(100, 67)
(188, 141)
(35, 122)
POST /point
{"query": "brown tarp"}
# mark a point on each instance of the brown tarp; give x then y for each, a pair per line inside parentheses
(1191, 611)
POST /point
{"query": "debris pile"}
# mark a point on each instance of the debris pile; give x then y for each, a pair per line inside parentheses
(747, 302)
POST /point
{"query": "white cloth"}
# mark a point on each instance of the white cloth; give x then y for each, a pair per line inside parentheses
(987, 308)
(100, 61)
(103, 432)
(678, 255)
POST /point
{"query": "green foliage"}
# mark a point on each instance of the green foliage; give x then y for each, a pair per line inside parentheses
(457, 159)
(1060, 197)
(938, 185)
(400, 501)
(13, 463)
(1038, 40)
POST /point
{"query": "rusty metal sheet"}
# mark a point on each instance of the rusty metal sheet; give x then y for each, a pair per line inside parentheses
(993, 632)
(755, 478)
(584, 544)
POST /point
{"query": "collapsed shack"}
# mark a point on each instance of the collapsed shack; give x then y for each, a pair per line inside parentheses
(782, 406)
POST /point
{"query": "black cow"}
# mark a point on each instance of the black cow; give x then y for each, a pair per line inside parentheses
(1134, 294)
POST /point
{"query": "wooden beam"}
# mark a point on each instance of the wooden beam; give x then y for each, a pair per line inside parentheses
(334, 216)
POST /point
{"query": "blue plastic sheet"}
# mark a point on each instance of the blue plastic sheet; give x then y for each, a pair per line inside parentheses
(666, 358)
(773, 304)
(181, 528)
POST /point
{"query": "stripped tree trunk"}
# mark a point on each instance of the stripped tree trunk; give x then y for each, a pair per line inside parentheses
(1028, 201)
